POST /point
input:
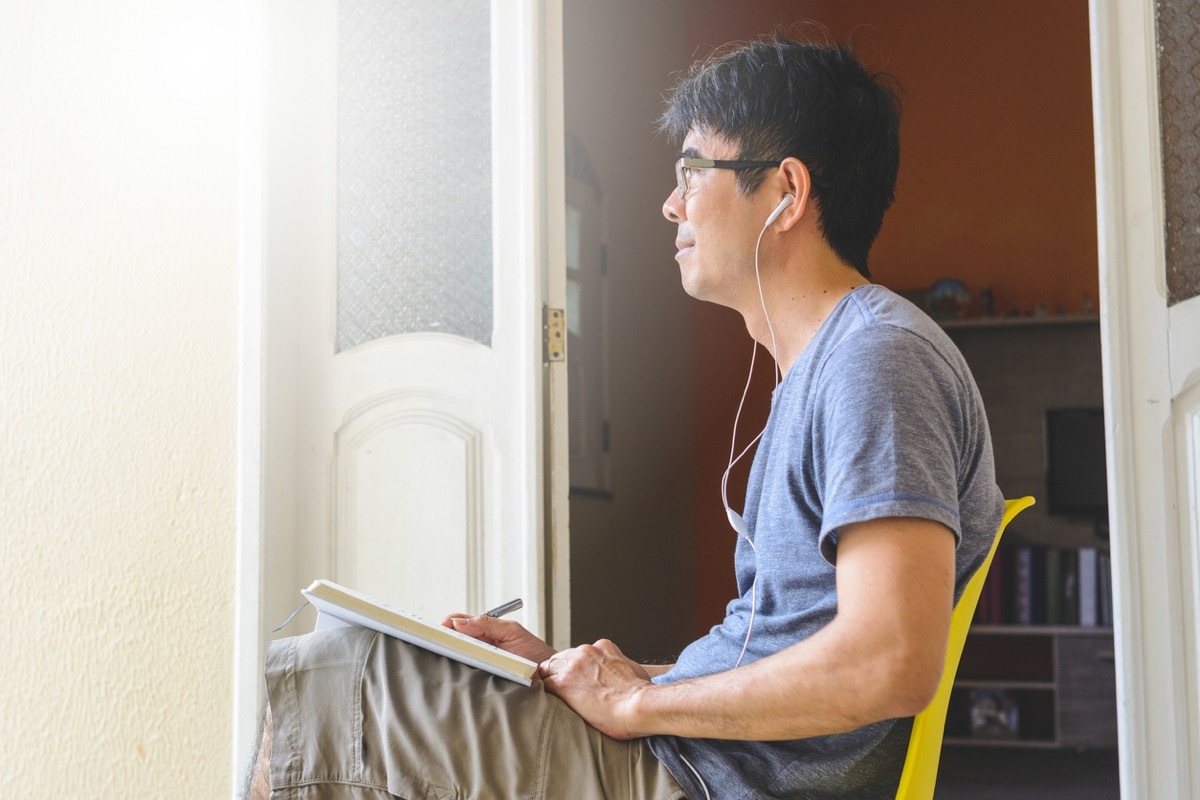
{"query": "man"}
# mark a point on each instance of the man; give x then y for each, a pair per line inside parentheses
(871, 501)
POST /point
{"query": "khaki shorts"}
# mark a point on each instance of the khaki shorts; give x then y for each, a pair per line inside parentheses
(356, 714)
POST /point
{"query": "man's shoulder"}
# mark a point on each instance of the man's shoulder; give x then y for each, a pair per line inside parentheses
(879, 327)
(879, 313)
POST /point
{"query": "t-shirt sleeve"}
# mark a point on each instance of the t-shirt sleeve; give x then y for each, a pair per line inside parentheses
(888, 425)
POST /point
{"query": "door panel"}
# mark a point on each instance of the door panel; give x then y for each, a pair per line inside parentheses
(383, 495)
(409, 249)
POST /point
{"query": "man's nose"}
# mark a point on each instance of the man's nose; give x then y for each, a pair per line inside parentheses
(673, 208)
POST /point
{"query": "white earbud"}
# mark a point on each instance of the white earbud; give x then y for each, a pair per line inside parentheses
(738, 524)
(784, 203)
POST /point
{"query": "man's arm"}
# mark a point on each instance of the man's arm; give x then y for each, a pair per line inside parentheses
(881, 656)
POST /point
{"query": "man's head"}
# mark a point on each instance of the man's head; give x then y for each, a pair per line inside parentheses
(778, 98)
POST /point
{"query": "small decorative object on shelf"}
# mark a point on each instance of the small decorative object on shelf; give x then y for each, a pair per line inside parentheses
(994, 714)
(987, 300)
(948, 299)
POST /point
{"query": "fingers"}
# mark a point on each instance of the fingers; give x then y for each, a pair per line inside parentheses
(480, 626)
(565, 660)
(546, 668)
(506, 634)
(555, 664)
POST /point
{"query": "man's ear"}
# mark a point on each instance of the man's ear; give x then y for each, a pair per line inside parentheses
(799, 185)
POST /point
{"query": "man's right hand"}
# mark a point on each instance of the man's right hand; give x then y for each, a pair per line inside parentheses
(503, 633)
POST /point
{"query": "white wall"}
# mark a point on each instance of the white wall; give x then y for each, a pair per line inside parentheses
(118, 234)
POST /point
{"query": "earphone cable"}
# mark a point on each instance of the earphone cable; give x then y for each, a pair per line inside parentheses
(725, 478)
(733, 439)
(749, 377)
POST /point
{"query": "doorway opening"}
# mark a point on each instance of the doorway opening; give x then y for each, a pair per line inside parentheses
(996, 189)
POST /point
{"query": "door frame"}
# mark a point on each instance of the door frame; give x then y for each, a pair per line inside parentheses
(1152, 470)
(1156, 667)
(540, 41)
(248, 657)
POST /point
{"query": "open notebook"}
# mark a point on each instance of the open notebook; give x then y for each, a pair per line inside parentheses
(338, 606)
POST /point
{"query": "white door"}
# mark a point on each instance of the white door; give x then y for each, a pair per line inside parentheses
(412, 207)
(1152, 387)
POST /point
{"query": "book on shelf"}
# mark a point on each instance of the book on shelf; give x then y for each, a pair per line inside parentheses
(990, 609)
(338, 606)
(1105, 601)
(1055, 593)
(1023, 586)
(1089, 590)
(1068, 588)
(1038, 585)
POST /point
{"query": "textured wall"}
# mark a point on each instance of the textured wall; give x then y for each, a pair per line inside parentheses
(118, 222)
(1022, 370)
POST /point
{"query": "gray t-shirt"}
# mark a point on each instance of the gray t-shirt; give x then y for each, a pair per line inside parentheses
(879, 417)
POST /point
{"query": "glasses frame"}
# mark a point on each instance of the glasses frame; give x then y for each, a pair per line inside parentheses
(683, 164)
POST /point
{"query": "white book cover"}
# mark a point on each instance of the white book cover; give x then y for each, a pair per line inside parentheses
(337, 605)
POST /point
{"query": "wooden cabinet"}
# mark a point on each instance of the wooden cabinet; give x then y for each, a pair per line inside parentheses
(1087, 700)
(1050, 686)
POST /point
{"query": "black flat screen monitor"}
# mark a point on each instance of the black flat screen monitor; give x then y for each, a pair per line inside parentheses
(1076, 478)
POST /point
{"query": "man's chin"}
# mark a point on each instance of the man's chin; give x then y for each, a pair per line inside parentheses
(698, 293)
(691, 286)
(698, 283)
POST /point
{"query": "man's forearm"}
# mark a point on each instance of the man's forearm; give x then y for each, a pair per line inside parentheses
(881, 657)
(790, 695)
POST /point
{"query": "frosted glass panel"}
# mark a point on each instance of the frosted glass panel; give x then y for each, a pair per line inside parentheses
(414, 169)
(1179, 119)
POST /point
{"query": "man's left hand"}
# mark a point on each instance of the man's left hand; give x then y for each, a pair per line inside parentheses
(599, 683)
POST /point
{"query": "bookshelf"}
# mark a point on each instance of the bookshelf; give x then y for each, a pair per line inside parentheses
(1028, 652)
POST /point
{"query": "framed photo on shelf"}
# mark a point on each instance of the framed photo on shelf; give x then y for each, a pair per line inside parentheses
(994, 714)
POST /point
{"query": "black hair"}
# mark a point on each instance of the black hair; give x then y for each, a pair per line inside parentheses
(779, 97)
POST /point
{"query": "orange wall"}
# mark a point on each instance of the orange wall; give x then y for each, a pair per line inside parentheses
(997, 178)
(996, 186)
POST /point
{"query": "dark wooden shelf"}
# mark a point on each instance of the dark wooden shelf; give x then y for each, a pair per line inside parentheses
(1019, 322)
(1060, 677)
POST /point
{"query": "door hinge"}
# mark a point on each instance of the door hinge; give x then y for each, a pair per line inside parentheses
(554, 334)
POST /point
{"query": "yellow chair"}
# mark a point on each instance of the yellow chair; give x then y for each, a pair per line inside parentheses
(925, 745)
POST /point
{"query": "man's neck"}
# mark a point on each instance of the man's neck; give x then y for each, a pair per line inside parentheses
(799, 298)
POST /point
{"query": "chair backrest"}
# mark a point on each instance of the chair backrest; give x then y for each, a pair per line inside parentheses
(925, 745)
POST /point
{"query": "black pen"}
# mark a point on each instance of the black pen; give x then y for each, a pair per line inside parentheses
(507, 608)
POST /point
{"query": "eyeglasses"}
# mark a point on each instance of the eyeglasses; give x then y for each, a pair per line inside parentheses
(684, 165)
